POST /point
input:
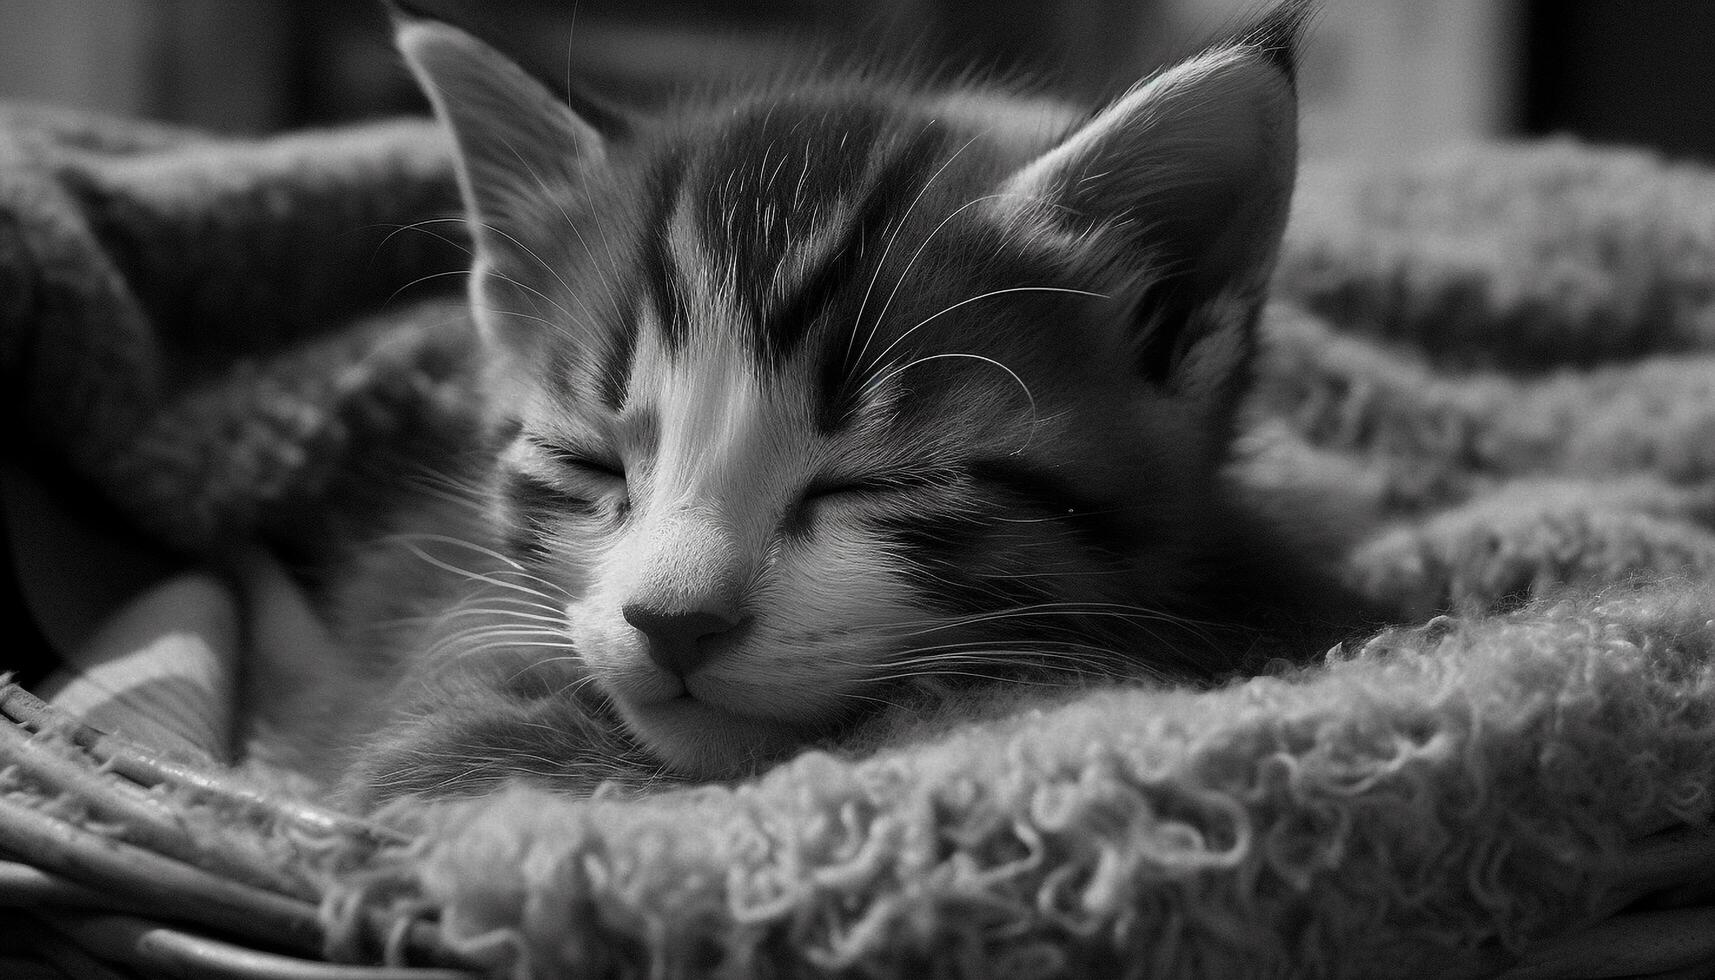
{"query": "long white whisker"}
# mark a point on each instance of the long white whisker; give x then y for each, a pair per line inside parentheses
(887, 250)
(422, 226)
(569, 223)
(883, 379)
(972, 299)
(563, 329)
(911, 263)
(474, 575)
(553, 325)
(446, 488)
(506, 614)
(509, 644)
(498, 632)
(514, 567)
(422, 279)
(1037, 610)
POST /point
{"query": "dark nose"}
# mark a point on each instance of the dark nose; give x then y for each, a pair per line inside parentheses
(673, 637)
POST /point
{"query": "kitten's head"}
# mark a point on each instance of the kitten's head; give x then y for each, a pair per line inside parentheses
(846, 385)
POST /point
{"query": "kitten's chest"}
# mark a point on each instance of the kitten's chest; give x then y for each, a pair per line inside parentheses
(329, 661)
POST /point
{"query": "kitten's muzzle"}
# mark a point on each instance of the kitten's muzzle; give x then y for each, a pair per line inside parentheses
(678, 640)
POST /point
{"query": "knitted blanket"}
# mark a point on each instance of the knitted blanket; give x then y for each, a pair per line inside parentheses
(1497, 368)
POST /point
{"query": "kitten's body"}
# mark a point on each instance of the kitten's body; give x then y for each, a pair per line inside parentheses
(844, 394)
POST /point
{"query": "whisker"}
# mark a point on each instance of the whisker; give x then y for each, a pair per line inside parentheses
(474, 575)
(514, 567)
(520, 245)
(975, 357)
(911, 263)
(422, 279)
(495, 631)
(508, 614)
(881, 263)
(513, 645)
(554, 325)
(546, 193)
(448, 489)
(562, 329)
(422, 226)
(466, 640)
(980, 296)
(972, 675)
(465, 608)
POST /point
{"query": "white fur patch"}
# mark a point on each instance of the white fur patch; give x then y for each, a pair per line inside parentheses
(723, 463)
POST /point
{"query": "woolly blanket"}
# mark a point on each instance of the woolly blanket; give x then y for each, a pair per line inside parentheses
(1496, 367)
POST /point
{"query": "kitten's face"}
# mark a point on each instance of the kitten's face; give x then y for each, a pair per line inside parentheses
(827, 393)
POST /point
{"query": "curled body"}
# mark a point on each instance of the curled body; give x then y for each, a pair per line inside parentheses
(824, 398)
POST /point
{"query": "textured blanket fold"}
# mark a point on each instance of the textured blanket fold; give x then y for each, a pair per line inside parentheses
(185, 322)
(1497, 367)
(1422, 808)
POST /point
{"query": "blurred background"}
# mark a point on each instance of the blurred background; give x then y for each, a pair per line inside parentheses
(1380, 76)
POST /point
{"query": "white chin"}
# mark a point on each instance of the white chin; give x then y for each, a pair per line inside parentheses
(698, 739)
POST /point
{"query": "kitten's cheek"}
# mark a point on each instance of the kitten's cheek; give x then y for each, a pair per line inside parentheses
(612, 651)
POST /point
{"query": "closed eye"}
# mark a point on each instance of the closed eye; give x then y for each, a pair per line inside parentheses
(592, 466)
(821, 493)
(893, 492)
(827, 489)
(888, 485)
(588, 463)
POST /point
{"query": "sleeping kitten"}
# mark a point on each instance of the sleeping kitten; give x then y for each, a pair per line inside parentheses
(847, 392)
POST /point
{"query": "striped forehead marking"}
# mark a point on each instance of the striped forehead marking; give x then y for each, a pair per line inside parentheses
(659, 272)
(726, 436)
(791, 206)
(769, 240)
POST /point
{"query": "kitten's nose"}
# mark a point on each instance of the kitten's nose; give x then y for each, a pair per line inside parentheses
(673, 637)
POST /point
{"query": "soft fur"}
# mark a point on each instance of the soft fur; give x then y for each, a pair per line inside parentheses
(1496, 365)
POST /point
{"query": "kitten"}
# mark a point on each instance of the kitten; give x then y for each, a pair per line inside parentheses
(844, 392)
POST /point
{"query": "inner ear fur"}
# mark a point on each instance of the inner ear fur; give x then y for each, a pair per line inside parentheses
(1184, 185)
(514, 141)
(522, 158)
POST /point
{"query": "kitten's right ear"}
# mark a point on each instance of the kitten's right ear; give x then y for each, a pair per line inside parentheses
(515, 142)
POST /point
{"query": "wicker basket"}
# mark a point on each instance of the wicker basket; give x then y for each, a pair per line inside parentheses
(128, 863)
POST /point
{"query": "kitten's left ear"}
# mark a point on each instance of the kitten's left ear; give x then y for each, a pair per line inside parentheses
(1185, 183)
(515, 141)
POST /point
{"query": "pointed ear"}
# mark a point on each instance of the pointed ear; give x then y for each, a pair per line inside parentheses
(1183, 184)
(515, 143)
